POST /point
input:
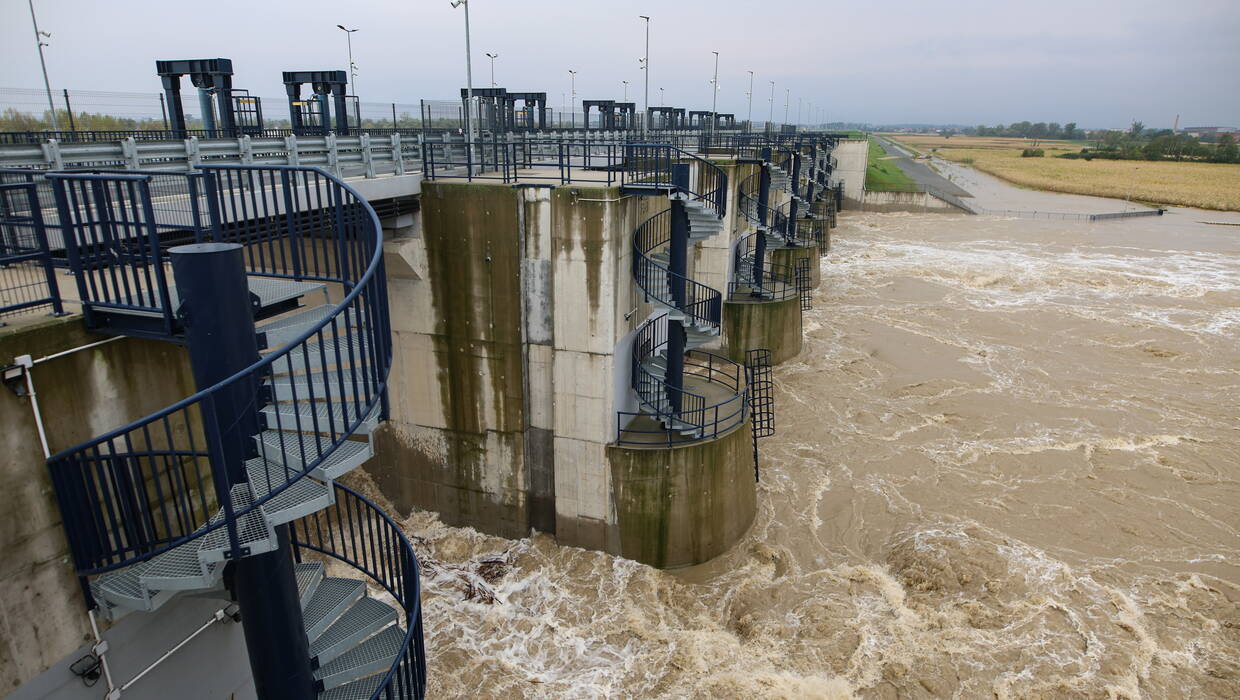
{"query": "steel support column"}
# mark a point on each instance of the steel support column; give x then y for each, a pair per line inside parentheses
(218, 316)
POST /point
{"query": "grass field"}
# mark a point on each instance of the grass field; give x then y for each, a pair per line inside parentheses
(883, 174)
(1203, 185)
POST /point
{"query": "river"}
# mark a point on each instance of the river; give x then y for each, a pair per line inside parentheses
(1006, 465)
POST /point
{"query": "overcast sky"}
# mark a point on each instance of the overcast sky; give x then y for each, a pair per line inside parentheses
(1096, 62)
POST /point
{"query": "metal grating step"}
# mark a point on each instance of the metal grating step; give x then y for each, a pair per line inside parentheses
(318, 417)
(346, 383)
(315, 355)
(295, 449)
(366, 617)
(286, 328)
(365, 688)
(253, 531)
(333, 597)
(304, 496)
(371, 656)
(308, 575)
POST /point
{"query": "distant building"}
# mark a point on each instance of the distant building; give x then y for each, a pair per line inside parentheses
(1210, 133)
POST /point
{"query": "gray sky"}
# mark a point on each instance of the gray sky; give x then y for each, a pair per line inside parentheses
(1098, 63)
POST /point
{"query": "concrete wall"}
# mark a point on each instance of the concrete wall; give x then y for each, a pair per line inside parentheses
(916, 202)
(773, 325)
(43, 621)
(790, 256)
(680, 507)
(852, 158)
(513, 311)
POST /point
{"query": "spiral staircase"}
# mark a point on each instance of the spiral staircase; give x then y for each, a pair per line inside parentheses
(689, 394)
(164, 506)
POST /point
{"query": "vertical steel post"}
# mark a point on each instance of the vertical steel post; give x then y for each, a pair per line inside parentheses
(218, 315)
(790, 230)
(341, 110)
(208, 111)
(678, 253)
(176, 110)
(764, 198)
(69, 111)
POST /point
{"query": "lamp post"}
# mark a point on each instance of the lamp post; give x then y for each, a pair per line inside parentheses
(661, 97)
(770, 118)
(492, 56)
(646, 67)
(787, 97)
(714, 96)
(749, 119)
(626, 90)
(38, 40)
(352, 71)
(352, 68)
(469, 85)
(572, 105)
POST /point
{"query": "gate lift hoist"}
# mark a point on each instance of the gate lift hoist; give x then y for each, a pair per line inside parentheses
(213, 78)
(323, 83)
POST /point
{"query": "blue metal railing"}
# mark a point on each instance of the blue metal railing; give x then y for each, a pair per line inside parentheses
(682, 415)
(357, 532)
(700, 303)
(150, 486)
(27, 278)
(698, 418)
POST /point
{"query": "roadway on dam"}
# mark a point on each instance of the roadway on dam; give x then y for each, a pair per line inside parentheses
(919, 171)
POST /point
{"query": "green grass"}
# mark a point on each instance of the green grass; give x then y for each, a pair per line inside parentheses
(883, 174)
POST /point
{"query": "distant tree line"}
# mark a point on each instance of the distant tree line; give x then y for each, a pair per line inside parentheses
(1136, 143)
(1027, 130)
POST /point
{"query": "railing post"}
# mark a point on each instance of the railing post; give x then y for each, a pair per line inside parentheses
(790, 227)
(764, 196)
(218, 316)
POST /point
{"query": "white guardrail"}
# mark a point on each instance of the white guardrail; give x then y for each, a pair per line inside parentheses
(344, 156)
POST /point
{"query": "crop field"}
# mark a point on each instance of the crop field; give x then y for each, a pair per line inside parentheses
(1203, 185)
(925, 142)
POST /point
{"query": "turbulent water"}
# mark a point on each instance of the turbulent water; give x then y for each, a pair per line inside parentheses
(1006, 465)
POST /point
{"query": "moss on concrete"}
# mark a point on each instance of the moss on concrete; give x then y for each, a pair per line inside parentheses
(680, 507)
(790, 256)
(81, 395)
(774, 325)
(587, 219)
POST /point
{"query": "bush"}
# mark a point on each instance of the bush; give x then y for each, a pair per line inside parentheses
(1032, 153)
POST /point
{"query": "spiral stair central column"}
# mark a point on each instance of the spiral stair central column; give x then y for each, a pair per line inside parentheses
(678, 259)
(790, 231)
(764, 199)
(219, 327)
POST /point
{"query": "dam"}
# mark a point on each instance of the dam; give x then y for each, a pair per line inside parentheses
(238, 356)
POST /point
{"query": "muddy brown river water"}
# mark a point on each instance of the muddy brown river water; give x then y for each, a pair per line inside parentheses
(1006, 465)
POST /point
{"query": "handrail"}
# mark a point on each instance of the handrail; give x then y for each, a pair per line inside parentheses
(111, 517)
(698, 301)
(347, 532)
(27, 280)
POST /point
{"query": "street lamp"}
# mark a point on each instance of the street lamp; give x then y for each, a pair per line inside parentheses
(749, 119)
(352, 72)
(352, 67)
(646, 67)
(572, 106)
(714, 97)
(492, 56)
(787, 97)
(770, 118)
(661, 97)
(469, 85)
(626, 90)
(38, 40)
